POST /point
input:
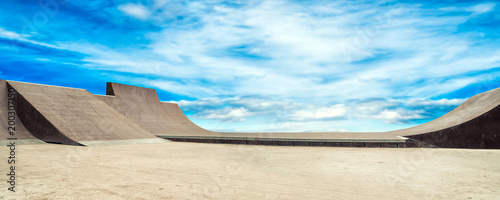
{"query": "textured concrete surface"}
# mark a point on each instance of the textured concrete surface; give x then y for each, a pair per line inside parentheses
(142, 106)
(472, 108)
(75, 116)
(19, 130)
(474, 124)
(401, 143)
(178, 170)
(122, 142)
(71, 116)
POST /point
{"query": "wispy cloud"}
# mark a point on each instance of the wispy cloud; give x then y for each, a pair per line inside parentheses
(321, 113)
(319, 117)
(16, 39)
(314, 62)
(227, 114)
(135, 10)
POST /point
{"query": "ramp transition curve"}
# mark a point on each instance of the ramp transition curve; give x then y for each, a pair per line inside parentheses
(130, 114)
(73, 116)
(474, 124)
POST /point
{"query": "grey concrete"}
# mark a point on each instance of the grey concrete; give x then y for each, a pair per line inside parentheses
(142, 106)
(20, 132)
(69, 116)
(122, 142)
(130, 113)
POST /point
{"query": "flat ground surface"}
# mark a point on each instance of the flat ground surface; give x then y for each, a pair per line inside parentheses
(222, 171)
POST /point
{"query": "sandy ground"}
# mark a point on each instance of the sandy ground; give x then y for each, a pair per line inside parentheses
(221, 171)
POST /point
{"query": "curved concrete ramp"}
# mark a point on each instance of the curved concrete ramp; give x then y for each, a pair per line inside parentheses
(473, 124)
(142, 106)
(16, 130)
(166, 120)
(73, 116)
(130, 114)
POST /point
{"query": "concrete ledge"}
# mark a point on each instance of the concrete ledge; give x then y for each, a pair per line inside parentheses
(286, 143)
(177, 138)
(353, 144)
(297, 142)
(317, 144)
(274, 143)
(254, 142)
(300, 143)
(121, 142)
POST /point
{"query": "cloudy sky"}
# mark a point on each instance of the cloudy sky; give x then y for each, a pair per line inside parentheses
(271, 65)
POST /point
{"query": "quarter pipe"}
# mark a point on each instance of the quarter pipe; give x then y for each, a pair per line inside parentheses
(72, 116)
(130, 114)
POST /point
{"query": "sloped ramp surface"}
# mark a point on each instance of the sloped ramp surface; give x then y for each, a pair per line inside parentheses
(73, 116)
(142, 106)
(19, 133)
(130, 114)
(166, 120)
(473, 124)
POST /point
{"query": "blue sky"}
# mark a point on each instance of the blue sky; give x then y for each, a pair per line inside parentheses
(265, 65)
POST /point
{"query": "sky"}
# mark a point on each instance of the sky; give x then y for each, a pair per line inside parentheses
(274, 65)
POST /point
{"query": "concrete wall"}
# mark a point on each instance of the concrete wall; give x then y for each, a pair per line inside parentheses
(407, 144)
(482, 132)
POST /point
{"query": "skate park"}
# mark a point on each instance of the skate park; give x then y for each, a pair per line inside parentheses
(274, 99)
(131, 114)
(69, 143)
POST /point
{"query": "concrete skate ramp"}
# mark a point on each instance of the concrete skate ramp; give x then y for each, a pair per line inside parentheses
(73, 116)
(16, 130)
(166, 120)
(130, 114)
(472, 108)
(142, 106)
(473, 124)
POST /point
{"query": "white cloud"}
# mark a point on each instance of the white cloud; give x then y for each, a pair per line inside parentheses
(24, 38)
(302, 47)
(303, 57)
(440, 102)
(482, 8)
(399, 115)
(320, 113)
(188, 89)
(9, 34)
(228, 114)
(138, 11)
(286, 115)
